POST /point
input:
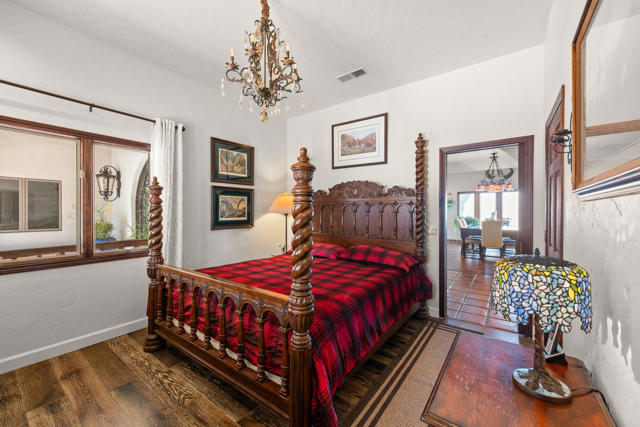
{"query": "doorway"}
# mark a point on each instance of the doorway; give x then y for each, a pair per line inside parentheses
(466, 260)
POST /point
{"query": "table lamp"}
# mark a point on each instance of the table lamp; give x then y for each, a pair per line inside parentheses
(553, 292)
(283, 205)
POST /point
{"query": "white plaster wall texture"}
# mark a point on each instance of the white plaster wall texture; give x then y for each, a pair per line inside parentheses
(602, 236)
(496, 99)
(82, 305)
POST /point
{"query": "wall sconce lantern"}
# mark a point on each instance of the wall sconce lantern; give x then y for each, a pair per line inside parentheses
(561, 142)
(108, 178)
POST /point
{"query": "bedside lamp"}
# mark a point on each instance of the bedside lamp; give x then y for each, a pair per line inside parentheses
(283, 204)
(554, 292)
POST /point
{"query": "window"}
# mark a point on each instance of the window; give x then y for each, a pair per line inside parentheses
(118, 223)
(467, 204)
(510, 211)
(485, 205)
(488, 206)
(43, 205)
(10, 204)
(48, 189)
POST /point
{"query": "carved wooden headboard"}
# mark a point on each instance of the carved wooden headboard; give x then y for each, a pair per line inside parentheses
(363, 212)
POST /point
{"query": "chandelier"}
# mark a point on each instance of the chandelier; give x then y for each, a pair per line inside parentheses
(495, 179)
(267, 79)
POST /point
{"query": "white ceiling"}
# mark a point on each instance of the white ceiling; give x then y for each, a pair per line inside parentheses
(396, 41)
(478, 161)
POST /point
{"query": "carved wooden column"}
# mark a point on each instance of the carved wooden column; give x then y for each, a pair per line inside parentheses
(421, 215)
(301, 297)
(152, 341)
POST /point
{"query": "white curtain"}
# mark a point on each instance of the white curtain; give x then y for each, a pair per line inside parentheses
(166, 165)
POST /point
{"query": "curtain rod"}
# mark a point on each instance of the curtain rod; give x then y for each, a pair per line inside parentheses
(78, 101)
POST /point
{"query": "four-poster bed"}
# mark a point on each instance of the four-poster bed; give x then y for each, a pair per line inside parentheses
(257, 325)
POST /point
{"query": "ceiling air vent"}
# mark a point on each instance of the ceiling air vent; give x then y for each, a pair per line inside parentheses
(352, 75)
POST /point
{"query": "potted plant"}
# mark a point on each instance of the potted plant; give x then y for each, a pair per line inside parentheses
(104, 229)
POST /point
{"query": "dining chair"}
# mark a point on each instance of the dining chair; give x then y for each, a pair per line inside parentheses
(491, 236)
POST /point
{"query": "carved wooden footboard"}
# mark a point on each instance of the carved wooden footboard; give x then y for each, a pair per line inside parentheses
(291, 398)
(291, 395)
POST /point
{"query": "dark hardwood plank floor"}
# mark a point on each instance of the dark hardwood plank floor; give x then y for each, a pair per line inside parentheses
(116, 383)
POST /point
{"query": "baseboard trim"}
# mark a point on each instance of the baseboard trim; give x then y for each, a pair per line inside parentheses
(43, 353)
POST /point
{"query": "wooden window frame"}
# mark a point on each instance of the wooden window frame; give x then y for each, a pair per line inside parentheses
(86, 253)
(625, 173)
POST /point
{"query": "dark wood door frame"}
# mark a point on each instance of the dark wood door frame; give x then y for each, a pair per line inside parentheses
(556, 110)
(525, 208)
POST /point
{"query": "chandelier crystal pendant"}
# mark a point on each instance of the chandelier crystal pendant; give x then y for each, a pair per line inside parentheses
(496, 179)
(267, 79)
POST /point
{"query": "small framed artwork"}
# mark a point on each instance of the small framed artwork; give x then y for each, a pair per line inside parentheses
(231, 162)
(231, 207)
(361, 142)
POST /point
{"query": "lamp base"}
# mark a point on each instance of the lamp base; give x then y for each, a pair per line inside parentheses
(541, 385)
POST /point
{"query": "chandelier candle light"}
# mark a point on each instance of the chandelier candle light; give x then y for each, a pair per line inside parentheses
(268, 78)
(495, 179)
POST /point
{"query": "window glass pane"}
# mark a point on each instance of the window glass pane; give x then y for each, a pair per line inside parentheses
(467, 204)
(488, 208)
(43, 205)
(510, 210)
(121, 198)
(45, 187)
(611, 89)
(9, 204)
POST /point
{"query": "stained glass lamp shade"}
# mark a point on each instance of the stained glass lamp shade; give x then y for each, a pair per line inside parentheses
(552, 291)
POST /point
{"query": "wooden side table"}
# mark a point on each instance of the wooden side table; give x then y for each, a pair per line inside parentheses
(474, 388)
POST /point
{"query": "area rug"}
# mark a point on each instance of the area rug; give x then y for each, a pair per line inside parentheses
(398, 396)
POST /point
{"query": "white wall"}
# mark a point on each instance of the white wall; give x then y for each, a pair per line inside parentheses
(87, 304)
(603, 237)
(496, 99)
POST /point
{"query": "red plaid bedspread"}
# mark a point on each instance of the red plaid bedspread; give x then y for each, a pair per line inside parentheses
(355, 303)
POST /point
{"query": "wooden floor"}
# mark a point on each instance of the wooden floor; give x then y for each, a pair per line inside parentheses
(468, 289)
(116, 383)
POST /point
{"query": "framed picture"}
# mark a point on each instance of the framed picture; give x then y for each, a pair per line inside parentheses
(361, 142)
(231, 162)
(231, 207)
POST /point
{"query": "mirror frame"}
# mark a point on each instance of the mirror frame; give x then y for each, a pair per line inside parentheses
(622, 174)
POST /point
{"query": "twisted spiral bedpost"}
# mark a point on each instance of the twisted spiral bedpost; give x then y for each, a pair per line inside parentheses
(154, 306)
(421, 214)
(301, 296)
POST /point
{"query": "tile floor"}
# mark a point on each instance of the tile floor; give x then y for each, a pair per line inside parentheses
(468, 290)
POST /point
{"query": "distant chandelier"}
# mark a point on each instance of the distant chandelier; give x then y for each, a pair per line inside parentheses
(267, 78)
(495, 179)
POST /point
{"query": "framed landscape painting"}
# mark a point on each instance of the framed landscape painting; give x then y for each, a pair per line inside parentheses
(231, 207)
(361, 142)
(231, 162)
